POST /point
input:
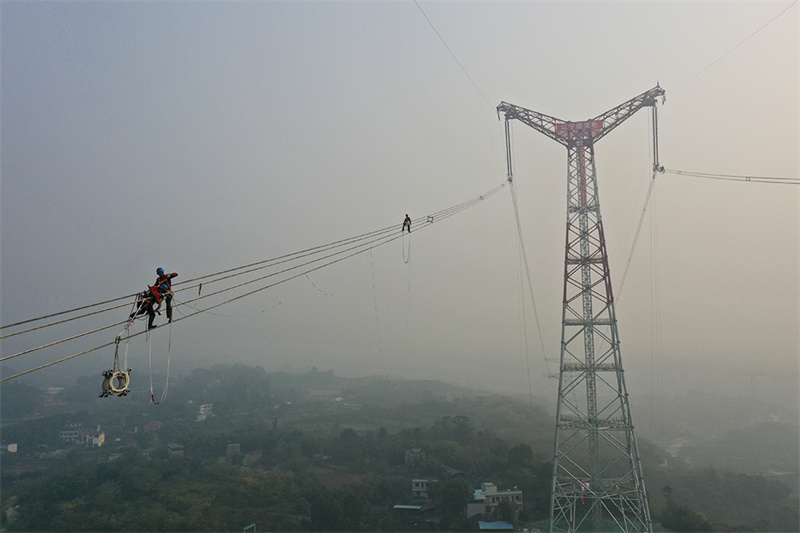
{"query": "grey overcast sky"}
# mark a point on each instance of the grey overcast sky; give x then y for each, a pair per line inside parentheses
(200, 136)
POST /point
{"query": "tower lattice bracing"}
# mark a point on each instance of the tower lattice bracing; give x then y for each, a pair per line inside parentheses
(597, 482)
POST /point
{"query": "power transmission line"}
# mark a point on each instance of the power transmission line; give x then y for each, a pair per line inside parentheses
(735, 177)
(439, 35)
(357, 245)
(723, 56)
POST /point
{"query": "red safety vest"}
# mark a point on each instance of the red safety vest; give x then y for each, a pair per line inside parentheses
(156, 293)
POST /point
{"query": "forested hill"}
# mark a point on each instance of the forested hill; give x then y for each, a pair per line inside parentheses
(312, 400)
(233, 445)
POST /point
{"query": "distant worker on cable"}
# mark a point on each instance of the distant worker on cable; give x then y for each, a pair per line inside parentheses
(146, 302)
(406, 224)
(164, 284)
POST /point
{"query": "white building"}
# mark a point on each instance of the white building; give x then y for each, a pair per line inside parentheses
(95, 439)
(70, 435)
(76, 434)
(486, 499)
(419, 487)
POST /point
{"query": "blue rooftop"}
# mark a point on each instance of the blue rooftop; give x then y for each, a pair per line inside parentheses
(497, 525)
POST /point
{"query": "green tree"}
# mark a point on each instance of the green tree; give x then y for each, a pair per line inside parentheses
(680, 518)
(458, 428)
(506, 510)
(18, 400)
(452, 495)
(520, 455)
(326, 512)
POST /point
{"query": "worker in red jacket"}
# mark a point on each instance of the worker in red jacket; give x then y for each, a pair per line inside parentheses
(146, 303)
(406, 224)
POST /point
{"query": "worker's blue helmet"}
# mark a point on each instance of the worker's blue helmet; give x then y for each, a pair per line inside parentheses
(160, 271)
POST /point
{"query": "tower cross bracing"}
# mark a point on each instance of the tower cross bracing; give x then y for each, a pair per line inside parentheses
(597, 482)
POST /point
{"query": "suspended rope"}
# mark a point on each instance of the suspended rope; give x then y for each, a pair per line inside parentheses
(636, 236)
(528, 273)
(225, 315)
(116, 381)
(524, 258)
(318, 289)
(527, 270)
(406, 244)
(524, 324)
(150, 363)
(656, 169)
(656, 378)
(377, 320)
(408, 314)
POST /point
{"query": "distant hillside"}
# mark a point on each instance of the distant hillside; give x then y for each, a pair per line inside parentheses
(338, 430)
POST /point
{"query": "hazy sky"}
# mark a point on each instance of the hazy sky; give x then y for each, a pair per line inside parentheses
(200, 136)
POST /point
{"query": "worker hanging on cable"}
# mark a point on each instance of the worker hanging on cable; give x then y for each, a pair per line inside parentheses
(406, 224)
(146, 303)
(164, 284)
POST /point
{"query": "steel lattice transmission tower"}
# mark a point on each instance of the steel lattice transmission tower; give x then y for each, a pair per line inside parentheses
(597, 482)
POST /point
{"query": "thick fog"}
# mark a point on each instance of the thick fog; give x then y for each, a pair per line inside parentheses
(200, 137)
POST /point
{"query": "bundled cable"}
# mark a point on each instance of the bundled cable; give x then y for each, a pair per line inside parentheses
(231, 284)
(735, 177)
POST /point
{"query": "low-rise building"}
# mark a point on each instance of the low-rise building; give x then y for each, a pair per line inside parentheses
(174, 449)
(70, 435)
(411, 454)
(419, 488)
(486, 499)
(94, 438)
(233, 452)
(75, 434)
(153, 425)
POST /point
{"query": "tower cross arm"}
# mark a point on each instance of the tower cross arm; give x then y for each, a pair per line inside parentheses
(616, 116)
(539, 121)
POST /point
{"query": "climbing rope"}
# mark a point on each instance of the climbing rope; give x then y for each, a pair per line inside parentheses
(408, 314)
(150, 363)
(527, 269)
(406, 244)
(377, 321)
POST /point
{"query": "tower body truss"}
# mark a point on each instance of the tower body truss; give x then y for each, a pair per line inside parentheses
(597, 482)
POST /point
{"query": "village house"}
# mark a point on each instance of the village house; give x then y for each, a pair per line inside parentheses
(95, 438)
(419, 488)
(486, 499)
(153, 425)
(75, 434)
